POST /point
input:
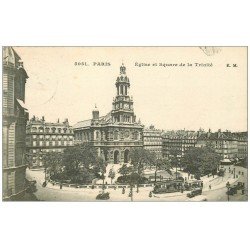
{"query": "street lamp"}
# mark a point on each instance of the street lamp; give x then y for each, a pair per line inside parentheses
(228, 187)
(45, 172)
(131, 192)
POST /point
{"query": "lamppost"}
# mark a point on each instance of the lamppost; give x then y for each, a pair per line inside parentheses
(228, 187)
(131, 192)
(45, 176)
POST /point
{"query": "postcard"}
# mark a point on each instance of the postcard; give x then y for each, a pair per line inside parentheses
(142, 124)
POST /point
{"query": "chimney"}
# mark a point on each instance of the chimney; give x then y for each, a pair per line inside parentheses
(151, 126)
(219, 132)
(95, 113)
(66, 121)
(209, 133)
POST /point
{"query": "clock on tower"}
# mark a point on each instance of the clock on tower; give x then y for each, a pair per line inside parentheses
(126, 106)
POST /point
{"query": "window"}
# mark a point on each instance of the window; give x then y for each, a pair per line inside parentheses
(136, 135)
(111, 136)
(34, 136)
(34, 129)
(116, 135)
(34, 143)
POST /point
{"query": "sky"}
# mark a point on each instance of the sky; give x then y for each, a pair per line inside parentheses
(169, 97)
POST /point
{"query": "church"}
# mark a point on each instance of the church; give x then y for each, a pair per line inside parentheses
(116, 133)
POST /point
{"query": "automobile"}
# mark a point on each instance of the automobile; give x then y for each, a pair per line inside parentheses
(198, 198)
(194, 192)
(102, 196)
(232, 190)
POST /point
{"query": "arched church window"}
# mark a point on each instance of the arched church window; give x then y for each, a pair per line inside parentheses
(136, 135)
(111, 136)
(122, 134)
(97, 135)
(127, 134)
(116, 135)
(34, 129)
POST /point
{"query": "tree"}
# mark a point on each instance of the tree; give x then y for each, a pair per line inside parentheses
(133, 180)
(162, 164)
(101, 165)
(111, 174)
(124, 170)
(175, 159)
(81, 163)
(201, 161)
(52, 162)
(139, 159)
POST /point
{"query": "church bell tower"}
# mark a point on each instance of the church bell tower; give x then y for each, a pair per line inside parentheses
(123, 111)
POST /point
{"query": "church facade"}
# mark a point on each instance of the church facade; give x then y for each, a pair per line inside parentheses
(116, 133)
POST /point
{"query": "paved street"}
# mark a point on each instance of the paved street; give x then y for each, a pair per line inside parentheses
(220, 194)
(217, 192)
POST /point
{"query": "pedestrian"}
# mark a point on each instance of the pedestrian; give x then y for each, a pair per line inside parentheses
(210, 186)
